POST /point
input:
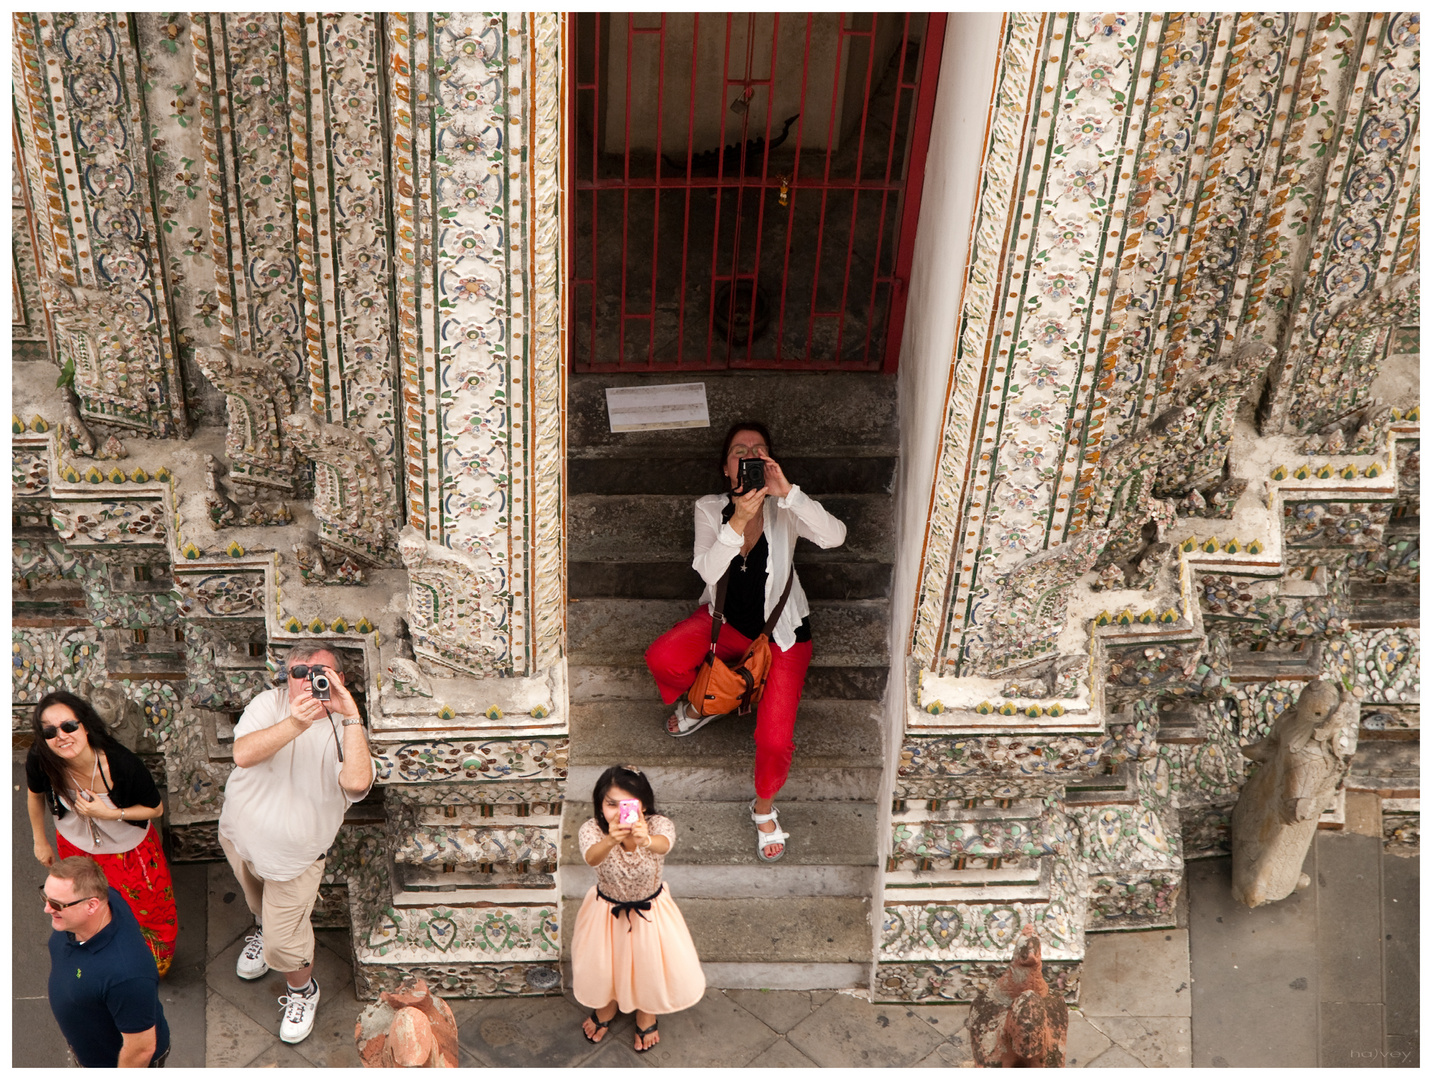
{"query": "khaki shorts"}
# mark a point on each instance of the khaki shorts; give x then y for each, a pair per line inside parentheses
(285, 909)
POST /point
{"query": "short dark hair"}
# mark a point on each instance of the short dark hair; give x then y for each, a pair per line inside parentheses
(745, 425)
(628, 778)
(50, 763)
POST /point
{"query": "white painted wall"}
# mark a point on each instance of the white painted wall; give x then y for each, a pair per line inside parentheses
(937, 277)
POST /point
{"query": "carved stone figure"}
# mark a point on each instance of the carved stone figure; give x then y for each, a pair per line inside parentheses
(451, 602)
(1300, 765)
(119, 374)
(123, 716)
(409, 1028)
(407, 679)
(308, 553)
(1018, 1022)
(353, 501)
(1028, 606)
(258, 401)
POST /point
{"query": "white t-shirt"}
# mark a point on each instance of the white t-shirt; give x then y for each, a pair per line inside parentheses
(283, 813)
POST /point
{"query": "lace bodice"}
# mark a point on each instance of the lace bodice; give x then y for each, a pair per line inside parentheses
(628, 875)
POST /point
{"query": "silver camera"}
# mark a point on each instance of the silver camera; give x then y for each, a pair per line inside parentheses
(322, 687)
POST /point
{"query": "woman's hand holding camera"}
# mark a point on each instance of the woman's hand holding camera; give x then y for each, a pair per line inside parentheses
(747, 507)
(776, 482)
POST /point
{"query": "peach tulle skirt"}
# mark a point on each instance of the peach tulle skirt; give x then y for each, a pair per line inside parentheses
(651, 966)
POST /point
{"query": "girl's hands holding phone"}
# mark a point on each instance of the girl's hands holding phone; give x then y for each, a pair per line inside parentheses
(639, 833)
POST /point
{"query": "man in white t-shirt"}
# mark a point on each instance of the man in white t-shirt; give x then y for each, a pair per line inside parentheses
(283, 805)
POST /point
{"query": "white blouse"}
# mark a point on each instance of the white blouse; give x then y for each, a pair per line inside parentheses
(785, 519)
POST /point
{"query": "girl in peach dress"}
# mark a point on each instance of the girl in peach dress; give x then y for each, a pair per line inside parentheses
(631, 950)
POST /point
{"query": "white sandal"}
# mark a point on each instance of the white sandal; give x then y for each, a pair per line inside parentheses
(688, 725)
(766, 839)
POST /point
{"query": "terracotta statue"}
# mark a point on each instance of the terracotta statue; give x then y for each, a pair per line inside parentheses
(1019, 1022)
(1300, 765)
(407, 1029)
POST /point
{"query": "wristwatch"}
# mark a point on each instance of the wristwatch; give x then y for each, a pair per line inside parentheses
(349, 721)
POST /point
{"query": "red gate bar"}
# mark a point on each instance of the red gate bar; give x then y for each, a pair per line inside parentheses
(753, 313)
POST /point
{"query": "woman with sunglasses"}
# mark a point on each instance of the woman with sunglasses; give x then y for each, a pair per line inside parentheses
(102, 800)
(747, 536)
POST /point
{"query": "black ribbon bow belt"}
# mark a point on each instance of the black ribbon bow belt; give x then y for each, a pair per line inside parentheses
(628, 906)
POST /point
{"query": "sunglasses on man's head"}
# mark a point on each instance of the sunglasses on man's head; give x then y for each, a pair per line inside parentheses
(303, 671)
(57, 906)
(69, 727)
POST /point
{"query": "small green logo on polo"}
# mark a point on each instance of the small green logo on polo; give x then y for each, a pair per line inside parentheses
(77, 973)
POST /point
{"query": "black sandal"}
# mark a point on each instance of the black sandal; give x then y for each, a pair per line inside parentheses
(644, 1032)
(601, 1025)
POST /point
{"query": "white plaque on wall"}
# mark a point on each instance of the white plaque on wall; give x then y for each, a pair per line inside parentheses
(651, 408)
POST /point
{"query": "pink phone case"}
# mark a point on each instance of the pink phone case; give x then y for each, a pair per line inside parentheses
(628, 810)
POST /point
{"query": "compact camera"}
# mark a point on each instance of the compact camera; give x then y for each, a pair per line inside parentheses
(322, 686)
(752, 474)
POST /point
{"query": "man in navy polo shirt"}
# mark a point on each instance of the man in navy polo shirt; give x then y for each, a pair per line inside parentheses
(104, 987)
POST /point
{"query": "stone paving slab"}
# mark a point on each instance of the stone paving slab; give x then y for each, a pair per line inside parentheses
(1401, 895)
(1255, 973)
(1351, 1035)
(846, 1032)
(781, 1055)
(1160, 1042)
(528, 1033)
(1143, 973)
(1349, 878)
(1085, 1042)
(780, 1010)
(715, 1032)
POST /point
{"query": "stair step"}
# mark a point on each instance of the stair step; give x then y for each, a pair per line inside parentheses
(632, 682)
(618, 631)
(760, 930)
(615, 470)
(658, 528)
(712, 833)
(1388, 765)
(677, 581)
(808, 413)
(837, 755)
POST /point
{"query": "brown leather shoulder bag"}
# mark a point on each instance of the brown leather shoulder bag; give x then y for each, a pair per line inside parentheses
(720, 688)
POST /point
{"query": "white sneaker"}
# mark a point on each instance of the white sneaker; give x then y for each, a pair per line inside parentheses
(251, 961)
(298, 1013)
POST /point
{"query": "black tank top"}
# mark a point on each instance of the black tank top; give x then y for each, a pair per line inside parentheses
(745, 607)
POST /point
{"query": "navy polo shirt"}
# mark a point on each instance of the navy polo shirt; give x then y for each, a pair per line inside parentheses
(106, 987)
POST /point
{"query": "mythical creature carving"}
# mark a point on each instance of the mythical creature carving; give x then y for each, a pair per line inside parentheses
(453, 610)
(119, 374)
(122, 715)
(1334, 381)
(1028, 604)
(258, 401)
(1019, 1021)
(353, 501)
(409, 1028)
(1183, 453)
(224, 512)
(1300, 765)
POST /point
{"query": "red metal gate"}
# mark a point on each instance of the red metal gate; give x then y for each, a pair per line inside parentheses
(746, 187)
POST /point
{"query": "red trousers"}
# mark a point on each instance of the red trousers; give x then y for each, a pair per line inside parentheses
(674, 657)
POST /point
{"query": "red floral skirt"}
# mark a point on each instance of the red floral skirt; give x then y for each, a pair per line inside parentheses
(142, 877)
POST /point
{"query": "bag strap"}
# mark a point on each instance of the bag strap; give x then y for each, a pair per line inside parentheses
(780, 605)
(717, 618)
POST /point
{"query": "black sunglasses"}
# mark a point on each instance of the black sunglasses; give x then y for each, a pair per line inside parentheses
(303, 671)
(61, 907)
(69, 727)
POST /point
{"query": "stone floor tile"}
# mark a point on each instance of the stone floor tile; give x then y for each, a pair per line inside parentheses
(183, 992)
(847, 1031)
(619, 1054)
(1116, 1057)
(948, 1020)
(231, 1039)
(1351, 1036)
(1403, 1052)
(780, 1055)
(229, 917)
(46, 1047)
(713, 1033)
(280, 1056)
(779, 1010)
(1255, 973)
(331, 1045)
(1349, 897)
(463, 1009)
(1085, 1042)
(948, 1055)
(1160, 1042)
(536, 1032)
(1401, 894)
(257, 998)
(1144, 972)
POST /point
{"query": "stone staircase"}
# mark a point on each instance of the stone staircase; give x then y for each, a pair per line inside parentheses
(803, 922)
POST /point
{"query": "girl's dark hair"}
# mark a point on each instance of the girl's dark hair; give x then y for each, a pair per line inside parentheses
(745, 425)
(628, 779)
(50, 762)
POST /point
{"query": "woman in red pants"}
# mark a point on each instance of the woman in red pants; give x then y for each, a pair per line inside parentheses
(753, 535)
